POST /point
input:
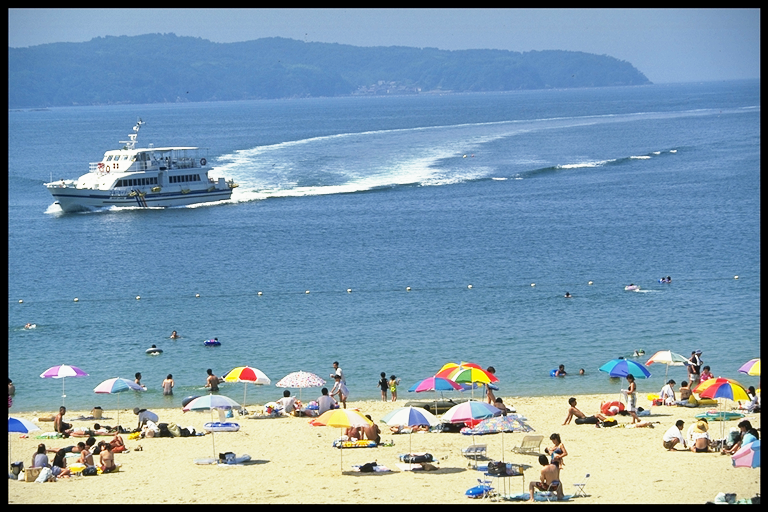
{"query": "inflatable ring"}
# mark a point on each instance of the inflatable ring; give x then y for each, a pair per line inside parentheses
(606, 407)
(218, 426)
(553, 373)
(154, 351)
(202, 162)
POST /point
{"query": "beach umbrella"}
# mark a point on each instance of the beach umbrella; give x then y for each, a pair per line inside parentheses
(496, 424)
(300, 380)
(470, 411)
(624, 367)
(668, 358)
(21, 426)
(748, 456)
(726, 389)
(436, 384)
(247, 374)
(410, 417)
(60, 372)
(464, 374)
(208, 403)
(721, 388)
(117, 386)
(751, 367)
(342, 419)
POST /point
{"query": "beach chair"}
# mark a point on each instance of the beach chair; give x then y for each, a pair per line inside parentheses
(551, 493)
(580, 487)
(474, 452)
(530, 445)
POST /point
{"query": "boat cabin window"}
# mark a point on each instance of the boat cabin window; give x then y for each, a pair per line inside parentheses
(109, 158)
(185, 178)
(136, 182)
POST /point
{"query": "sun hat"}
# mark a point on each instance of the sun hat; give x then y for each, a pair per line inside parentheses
(701, 427)
(136, 410)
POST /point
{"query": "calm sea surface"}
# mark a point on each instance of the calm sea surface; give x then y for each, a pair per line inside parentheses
(498, 191)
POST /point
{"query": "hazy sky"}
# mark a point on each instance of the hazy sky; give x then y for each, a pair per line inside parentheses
(668, 45)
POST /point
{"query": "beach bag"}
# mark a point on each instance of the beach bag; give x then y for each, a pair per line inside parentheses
(90, 471)
(368, 467)
(174, 430)
(496, 467)
(610, 422)
(45, 475)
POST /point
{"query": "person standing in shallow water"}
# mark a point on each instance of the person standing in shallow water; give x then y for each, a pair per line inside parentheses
(212, 382)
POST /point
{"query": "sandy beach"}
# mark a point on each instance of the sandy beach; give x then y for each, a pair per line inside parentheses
(293, 462)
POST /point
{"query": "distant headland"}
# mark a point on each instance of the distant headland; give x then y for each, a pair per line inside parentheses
(162, 68)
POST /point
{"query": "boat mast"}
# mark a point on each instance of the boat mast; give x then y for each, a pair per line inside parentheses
(129, 144)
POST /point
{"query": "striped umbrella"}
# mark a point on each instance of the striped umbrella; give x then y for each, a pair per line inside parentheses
(410, 417)
(247, 374)
(117, 385)
(341, 418)
(668, 358)
(751, 367)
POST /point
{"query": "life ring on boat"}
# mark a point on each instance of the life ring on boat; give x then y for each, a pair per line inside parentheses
(107, 169)
(101, 165)
(202, 162)
(612, 408)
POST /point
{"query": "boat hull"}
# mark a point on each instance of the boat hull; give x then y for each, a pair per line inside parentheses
(77, 200)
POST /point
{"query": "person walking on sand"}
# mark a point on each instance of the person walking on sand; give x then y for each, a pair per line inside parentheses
(384, 386)
(393, 382)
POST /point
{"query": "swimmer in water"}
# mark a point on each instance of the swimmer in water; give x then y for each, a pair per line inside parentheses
(568, 295)
(174, 335)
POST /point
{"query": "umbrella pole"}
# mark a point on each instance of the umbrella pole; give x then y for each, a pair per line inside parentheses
(245, 390)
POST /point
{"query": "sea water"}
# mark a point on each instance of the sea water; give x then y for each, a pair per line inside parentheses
(395, 234)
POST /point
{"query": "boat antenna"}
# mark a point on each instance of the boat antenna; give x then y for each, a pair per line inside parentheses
(130, 144)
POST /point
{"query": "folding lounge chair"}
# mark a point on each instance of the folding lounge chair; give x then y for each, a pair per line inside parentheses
(551, 492)
(474, 452)
(580, 487)
(530, 445)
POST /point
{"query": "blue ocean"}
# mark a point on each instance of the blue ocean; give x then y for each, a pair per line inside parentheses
(395, 234)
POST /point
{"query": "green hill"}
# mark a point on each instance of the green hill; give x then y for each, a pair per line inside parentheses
(165, 68)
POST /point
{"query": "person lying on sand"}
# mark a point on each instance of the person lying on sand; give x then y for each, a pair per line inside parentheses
(581, 418)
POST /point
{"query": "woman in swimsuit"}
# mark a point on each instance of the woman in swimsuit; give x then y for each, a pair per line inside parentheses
(557, 451)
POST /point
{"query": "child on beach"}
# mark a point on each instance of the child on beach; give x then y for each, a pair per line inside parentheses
(383, 385)
(393, 382)
(340, 389)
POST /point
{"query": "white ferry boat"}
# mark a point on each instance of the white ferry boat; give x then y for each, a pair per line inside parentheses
(142, 177)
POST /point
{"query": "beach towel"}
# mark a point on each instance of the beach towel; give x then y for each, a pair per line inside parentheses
(525, 496)
(362, 443)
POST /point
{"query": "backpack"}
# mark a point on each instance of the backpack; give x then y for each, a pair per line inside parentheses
(610, 422)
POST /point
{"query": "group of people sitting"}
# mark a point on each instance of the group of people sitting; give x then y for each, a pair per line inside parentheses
(86, 450)
(698, 440)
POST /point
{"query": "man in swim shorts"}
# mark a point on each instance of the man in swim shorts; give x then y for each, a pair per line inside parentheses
(550, 476)
(581, 418)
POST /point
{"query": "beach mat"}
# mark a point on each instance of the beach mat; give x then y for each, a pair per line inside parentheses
(525, 496)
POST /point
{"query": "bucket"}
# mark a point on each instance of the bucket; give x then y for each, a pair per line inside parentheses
(96, 413)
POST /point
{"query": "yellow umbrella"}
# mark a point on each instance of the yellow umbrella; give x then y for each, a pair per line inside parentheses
(341, 418)
(751, 367)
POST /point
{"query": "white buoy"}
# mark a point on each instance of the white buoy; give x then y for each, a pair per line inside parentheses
(407, 288)
(306, 291)
(138, 297)
(469, 286)
(76, 299)
(533, 284)
(258, 293)
(197, 295)
(735, 277)
(21, 301)
(349, 290)
(590, 283)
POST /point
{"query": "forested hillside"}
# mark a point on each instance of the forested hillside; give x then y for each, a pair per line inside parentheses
(165, 68)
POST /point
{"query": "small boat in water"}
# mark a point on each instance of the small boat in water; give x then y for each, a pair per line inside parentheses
(632, 288)
(142, 178)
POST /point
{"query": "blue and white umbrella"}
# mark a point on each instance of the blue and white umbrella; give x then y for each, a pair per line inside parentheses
(21, 426)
